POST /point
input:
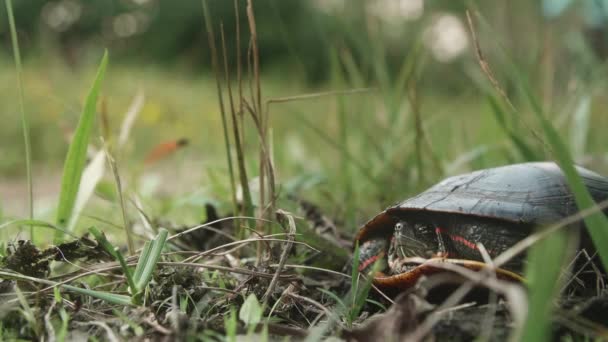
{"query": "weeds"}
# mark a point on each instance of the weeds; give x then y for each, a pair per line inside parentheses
(377, 137)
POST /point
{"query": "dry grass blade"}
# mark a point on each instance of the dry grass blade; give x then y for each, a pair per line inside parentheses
(91, 175)
(266, 167)
(317, 95)
(290, 225)
(123, 209)
(132, 112)
(240, 154)
(484, 64)
(214, 251)
(313, 302)
(209, 224)
(487, 71)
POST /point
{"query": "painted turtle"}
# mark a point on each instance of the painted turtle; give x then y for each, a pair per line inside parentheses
(495, 207)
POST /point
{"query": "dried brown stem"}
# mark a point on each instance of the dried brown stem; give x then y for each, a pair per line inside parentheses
(240, 154)
(218, 84)
(485, 67)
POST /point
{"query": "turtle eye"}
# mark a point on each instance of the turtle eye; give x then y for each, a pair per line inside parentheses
(398, 227)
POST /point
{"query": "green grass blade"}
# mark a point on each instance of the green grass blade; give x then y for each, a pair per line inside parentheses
(77, 153)
(105, 296)
(103, 241)
(108, 297)
(360, 297)
(145, 254)
(580, 126)
(156, 248)
(24, 122)
(354, 276)
(597, 223)
(342, 306)
(126, 270)
(543, 284)
(522, 147)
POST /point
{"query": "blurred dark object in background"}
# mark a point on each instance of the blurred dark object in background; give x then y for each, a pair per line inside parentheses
(597, 38)
(169, 32)
(594, 15)
(302, 37)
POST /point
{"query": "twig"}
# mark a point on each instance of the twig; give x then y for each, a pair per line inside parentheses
(198, 256)
(348, 276)
(175, 236)
(316, 304)
(226, 269)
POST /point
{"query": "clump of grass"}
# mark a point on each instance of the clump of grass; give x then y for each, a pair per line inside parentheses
(139, 279)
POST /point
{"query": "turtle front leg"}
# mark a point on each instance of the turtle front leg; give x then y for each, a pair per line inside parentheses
(442, 247)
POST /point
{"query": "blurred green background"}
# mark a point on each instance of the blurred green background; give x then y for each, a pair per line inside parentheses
(430, 111)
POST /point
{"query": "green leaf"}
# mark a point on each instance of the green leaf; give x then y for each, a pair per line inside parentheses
(251, 311)
(77, 153)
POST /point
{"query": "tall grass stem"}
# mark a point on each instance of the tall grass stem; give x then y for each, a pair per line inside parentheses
(214, 62)
(24, 122)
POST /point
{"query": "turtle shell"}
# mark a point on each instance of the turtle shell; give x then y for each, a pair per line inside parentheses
(519, 195)
(529, 193)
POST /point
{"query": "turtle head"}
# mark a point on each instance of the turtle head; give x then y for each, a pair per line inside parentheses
(411, 240)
